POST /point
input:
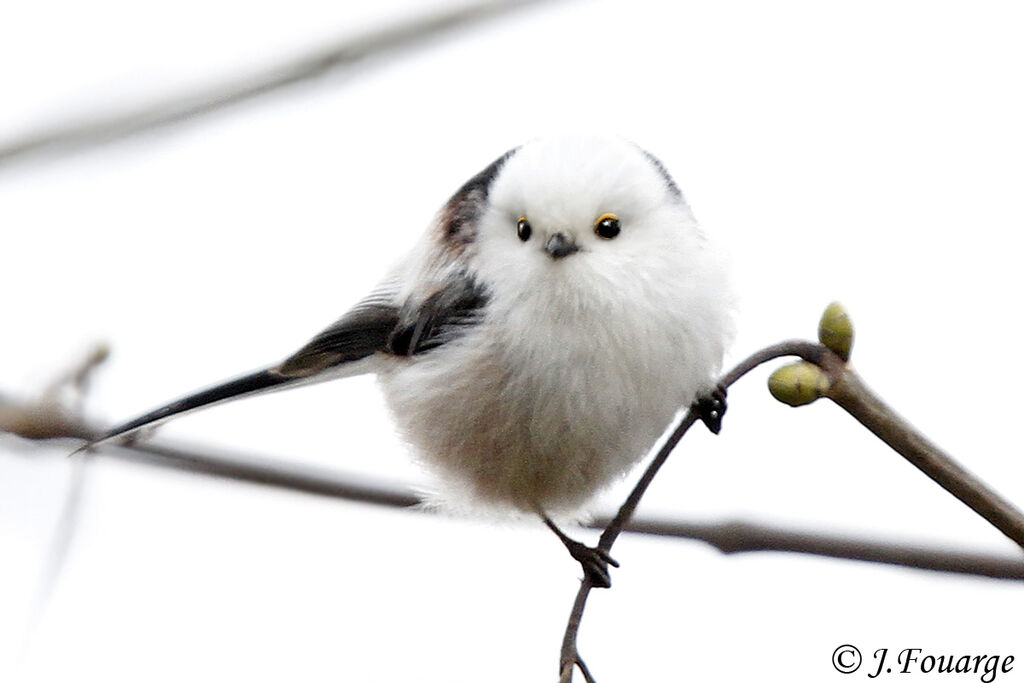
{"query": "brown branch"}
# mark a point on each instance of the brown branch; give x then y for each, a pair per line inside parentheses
(190, 106)
(46, 421)
(744, 537)
(852, 395)
(55, 413)
(278, 474)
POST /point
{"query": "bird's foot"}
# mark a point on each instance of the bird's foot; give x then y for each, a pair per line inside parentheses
(711, 408)
(594, 561)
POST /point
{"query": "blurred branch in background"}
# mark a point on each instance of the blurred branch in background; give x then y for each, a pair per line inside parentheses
(104, 128)
(47, 420)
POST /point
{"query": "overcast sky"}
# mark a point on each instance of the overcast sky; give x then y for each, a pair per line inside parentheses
(869, 153)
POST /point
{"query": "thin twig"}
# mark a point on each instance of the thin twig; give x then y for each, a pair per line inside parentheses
(744, 537)
(55, 412)
(570, 653)
(806, 350)
(318, 481)
(190, 106)
(587, 676)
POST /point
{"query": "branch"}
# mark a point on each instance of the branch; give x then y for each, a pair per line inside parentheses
(803, 349)
(113, 126)
(852, 395)
(743, 537)
(831, 377)
(570, 657)
(44, 420)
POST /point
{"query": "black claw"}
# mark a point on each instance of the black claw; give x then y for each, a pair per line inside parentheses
(594, 561)
(711, 409)
(606, 556)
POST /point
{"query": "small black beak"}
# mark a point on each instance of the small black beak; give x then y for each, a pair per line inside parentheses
(560, 246)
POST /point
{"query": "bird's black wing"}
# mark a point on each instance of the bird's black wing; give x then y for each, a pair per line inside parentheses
(442, 317)
(361, 332)
(374, 325)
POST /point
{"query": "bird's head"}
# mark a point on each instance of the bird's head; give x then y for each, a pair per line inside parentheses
(570, 215)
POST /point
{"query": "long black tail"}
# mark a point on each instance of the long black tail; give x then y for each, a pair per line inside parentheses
(256, 382)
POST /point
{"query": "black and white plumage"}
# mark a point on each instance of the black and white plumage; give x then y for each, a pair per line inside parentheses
(560, 309)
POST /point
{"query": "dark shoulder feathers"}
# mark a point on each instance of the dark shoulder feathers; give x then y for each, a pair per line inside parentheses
(461, 212)
(378, 325)
(440, 318)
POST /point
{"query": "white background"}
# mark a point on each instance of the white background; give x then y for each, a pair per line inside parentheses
(865, 152)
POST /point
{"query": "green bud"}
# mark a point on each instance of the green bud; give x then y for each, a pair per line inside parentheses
(798, 384)
(836, 330)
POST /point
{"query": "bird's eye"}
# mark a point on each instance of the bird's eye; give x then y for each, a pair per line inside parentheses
(523, 229)
(607, 226)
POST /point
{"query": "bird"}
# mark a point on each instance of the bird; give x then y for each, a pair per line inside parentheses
(559, 310)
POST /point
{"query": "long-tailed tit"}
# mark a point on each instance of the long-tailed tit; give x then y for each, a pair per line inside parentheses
(562, 306)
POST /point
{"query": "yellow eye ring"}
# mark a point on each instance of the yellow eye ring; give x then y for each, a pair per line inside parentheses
(607, 226)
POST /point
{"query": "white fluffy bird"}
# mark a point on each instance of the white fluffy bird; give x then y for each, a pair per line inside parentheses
(560, 309)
